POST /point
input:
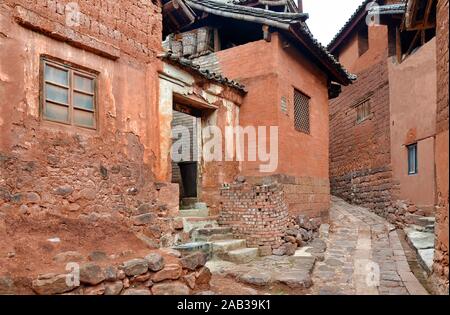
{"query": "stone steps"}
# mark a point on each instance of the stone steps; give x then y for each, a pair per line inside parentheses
(420, 220)
(208, 236)
(195, 247)
(199, 213)
(191, 223)
(424, 244)
(212, 234)
(240, 256)
(224, 246)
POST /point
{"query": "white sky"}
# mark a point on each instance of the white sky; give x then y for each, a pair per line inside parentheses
(326, 17)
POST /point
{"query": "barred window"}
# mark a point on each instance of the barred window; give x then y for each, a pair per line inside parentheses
(68, 95)
(363, 111)
(301, 112)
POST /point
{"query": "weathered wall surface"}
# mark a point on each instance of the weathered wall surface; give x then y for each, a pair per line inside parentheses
(377, 51)
(442, 150)
(271, 73)
(360, 168)
(412, 87)
(220, 108)
(69, 170)
(257, 213)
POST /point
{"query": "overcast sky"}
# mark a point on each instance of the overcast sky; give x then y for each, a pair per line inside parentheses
(326, 17)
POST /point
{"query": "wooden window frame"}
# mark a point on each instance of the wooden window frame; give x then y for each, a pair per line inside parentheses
(360, 106)
(298, 91)
(72, 70)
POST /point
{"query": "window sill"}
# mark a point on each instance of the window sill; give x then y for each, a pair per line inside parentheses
(365, 119)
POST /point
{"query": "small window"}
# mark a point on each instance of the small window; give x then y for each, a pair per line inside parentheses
(363, 111)
(302, 112)
(68, 95)
(412, 159)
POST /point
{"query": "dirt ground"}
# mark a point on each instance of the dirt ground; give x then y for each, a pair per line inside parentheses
(26, 250)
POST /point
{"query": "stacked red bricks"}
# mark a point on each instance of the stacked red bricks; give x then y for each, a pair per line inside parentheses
(258, 213)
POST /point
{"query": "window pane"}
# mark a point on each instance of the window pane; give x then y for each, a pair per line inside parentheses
(412, 159)
(83, 101)
(56, 75)
(57, 94)
(83, 118)
(56, 112)
(84, 84)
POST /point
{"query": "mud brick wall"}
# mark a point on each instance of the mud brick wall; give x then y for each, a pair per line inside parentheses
(131, 27)
(442, 60)
(73, 171)
(360, 170)
(307, 196)
(257, 213)
(442, 150)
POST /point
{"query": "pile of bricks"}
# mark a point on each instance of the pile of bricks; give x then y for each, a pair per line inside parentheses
(258, 213)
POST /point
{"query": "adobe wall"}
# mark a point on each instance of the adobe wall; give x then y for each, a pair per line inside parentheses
(221, 108)
(440, 267)
(72, 171)
(360, 169)
(271, 71)
(412, 87)
(378, 46)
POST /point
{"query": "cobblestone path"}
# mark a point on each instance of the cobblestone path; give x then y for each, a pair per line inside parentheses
(364, 256)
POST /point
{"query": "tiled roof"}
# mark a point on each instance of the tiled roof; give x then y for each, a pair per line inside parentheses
(189, 64)
(398, 8)
(294, 23)
(359, 10)
(251, 12)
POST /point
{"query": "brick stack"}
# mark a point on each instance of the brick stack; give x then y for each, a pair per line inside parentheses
(258, 213)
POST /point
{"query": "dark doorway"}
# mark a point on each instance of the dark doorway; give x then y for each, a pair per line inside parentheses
(185, 172)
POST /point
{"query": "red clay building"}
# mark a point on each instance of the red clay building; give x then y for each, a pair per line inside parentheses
(388, 129)
(442, 141)
(81, 122)
(289, 78)
(373, 128)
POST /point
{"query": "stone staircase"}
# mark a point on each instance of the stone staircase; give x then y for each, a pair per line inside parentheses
(420, 235)
(216, 241)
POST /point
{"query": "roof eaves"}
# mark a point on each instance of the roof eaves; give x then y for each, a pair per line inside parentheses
(335, 66)
(189, 64)
(348, 26)
(246, 13)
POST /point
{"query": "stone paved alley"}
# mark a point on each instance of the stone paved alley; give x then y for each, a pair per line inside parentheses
(359, 243)
(360, 246)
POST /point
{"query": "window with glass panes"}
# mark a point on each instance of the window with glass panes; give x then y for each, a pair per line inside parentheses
(412, 159)
(68, 95)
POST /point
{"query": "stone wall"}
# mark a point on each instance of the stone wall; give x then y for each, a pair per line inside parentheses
(126, 27)
(155, 274)
(360, 169)
(440, 267)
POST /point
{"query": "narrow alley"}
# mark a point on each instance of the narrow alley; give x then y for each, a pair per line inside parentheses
(362, 245)
(363, 256)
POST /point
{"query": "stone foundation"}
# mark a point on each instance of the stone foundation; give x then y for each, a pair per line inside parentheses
(371, 188)
(154, 274)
